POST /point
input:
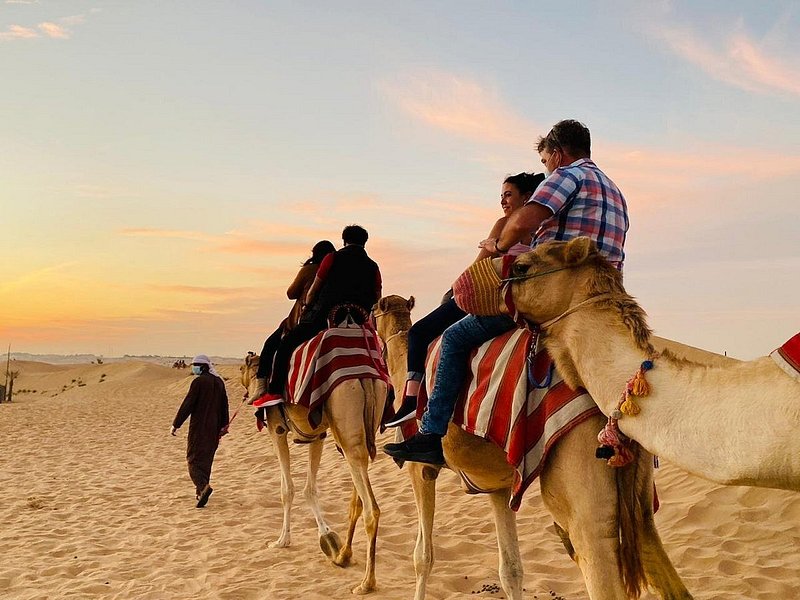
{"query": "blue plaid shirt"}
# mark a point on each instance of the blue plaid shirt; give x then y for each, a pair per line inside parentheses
(584, 201)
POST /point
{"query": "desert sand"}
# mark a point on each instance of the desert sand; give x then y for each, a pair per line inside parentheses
(95, 501)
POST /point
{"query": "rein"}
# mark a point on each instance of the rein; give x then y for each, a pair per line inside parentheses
(577, 307)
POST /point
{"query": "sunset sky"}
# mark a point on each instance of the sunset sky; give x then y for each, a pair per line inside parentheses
(165, 167)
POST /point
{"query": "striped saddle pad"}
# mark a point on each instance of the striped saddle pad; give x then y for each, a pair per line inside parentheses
(519, 403)
(333, 356)
(788, 357)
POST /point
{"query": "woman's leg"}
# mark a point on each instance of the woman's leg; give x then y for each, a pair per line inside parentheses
(268, 353)
(420, 336)
(458, 342)
(427, 329)
(280, 371)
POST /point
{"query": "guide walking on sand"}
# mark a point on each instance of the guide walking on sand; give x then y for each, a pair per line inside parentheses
(207, 404)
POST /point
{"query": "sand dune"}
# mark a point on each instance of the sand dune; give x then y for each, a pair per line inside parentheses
(95, 501)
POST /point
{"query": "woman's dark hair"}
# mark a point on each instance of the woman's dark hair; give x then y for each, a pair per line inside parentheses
(526, 183)
(319, 251)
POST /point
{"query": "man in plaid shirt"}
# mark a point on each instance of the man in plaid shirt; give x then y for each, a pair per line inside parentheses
(576, 199)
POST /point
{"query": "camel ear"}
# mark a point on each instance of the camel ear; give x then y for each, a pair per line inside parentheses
(410, 303)
(578, 250)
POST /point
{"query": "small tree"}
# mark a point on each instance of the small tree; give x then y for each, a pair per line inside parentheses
(12, 375)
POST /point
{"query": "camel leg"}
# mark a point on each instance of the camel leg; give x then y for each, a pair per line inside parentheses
(423, 482)
(505, 521)
(659, 570)
(346, 552)
(278, 434)
(347, 419)
(328, 540)
(581, 494)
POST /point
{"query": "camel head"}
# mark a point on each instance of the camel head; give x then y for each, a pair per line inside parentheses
(248, 369)
(392, 315)
(556, 275)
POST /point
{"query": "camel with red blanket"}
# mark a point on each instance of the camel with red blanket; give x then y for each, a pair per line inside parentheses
(736, 423)
(337, 383)
(604, 516)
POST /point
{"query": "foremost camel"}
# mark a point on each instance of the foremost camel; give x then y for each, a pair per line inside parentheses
(604, 516)
(352, 412)
(736, 423)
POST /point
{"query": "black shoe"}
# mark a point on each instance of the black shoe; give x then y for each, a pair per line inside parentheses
(406, 412)
(421, 447)
(202, 499)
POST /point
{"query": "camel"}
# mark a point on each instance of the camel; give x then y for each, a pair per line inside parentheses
(352, 412)
(736, 423)
(604, 516)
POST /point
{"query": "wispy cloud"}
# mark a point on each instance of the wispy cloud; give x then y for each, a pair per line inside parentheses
(58, 29)
(458, 105)
(18, 32)
(736, 58)
(166, 233)
(53, 30)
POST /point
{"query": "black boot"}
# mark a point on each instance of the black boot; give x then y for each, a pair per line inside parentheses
(406, 412)
(422, 447)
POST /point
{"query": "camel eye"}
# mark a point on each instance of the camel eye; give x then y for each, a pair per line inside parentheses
(519, 269)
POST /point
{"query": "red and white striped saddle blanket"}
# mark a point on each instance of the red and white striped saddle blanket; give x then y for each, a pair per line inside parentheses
(333, 356)
(498, 403)
(788, 357)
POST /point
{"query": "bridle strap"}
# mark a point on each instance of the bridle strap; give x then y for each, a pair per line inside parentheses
(577, 307)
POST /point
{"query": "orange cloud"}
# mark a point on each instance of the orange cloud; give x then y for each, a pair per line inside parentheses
(54, 31)
(166, 233)
(739, 61)
(17, 32)
(459, 105)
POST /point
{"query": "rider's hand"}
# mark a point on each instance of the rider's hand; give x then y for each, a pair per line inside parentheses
(172, 430)
(223, 431)
(489, 244)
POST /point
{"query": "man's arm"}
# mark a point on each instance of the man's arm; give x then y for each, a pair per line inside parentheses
(497, 229)
(188, 404)
(322, 274)
(523, 222)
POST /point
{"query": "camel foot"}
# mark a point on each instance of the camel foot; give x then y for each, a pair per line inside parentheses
(330, 544)
(282, 542)
(364, 588)
(343, 560)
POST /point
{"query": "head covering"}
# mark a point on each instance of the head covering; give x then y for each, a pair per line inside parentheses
(202, 359)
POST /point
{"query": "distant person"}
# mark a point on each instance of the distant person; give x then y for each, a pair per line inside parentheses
(207, 404)
(347, 276)
(297, 291)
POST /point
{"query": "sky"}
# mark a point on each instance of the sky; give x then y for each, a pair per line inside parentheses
(165, 167)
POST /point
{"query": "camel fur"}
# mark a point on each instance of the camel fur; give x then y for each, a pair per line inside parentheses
(734, 423)
(352, 412)
(604, 516)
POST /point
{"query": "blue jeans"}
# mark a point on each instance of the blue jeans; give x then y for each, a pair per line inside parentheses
(424, 331)
(458, 341)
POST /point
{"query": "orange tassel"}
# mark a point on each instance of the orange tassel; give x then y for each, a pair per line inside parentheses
(639, 385)
(629, 406)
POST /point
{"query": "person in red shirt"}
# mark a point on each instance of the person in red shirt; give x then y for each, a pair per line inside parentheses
(347, 276)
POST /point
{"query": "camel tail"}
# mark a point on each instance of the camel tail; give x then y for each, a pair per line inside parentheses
(370, 408)
(631, 521)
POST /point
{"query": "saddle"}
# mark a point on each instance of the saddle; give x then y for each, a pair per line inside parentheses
(347, 351)
(514, 398)
(787, 357)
